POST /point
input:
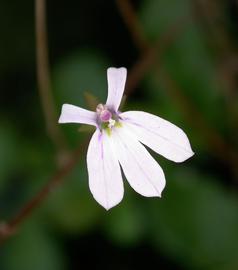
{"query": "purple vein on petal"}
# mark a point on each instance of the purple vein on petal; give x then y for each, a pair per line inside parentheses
(130, 121)
(138, 163)
(100, 143)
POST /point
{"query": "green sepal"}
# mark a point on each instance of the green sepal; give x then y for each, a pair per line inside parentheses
(91, 100)
(86, 128)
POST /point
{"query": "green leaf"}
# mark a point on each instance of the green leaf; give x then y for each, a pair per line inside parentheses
(188, 60)
(9, 153)
(196, 222)
(72, 208)
(158, 16)
(80, 72)
(91, 101)
(32, 248)
(125, 224)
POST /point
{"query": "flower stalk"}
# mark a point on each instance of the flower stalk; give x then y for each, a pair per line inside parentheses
(43, 78)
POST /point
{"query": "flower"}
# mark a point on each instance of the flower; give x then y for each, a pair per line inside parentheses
(118, 141)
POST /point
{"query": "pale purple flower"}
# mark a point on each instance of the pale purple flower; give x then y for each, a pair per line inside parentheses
(118, 141)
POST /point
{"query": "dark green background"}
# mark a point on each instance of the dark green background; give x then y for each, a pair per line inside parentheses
(195, 224)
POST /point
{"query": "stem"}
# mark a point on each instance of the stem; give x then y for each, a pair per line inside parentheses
(7, 229)
(129, 15)
(215, 141)
(149, 56)
(43, 77)
(147, 60)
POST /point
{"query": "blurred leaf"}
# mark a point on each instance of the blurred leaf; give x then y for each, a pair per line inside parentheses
(160, 103)
(80, 72)
(125, 223)
(91, 101)
(9, 152)
(158, 16)
(86, 128)
(32, 248)
(72, 208)
(191, 66)
(187, 59)
(196, 222)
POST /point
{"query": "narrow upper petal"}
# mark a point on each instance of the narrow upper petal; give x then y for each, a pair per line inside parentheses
(105, 180)
(142, 172)
(116, 78)
(74, 114)
(160, 135)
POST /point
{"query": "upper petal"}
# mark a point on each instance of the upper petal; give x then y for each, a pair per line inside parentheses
(74, 114)
(105, 180)
(142, 172)
(116, 78)
(160, 135)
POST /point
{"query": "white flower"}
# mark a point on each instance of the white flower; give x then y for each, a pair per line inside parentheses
(118, 141)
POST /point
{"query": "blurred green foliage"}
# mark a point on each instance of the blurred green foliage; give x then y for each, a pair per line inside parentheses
(194, 225)
(25, 253)
(8, 158)
(81, 71)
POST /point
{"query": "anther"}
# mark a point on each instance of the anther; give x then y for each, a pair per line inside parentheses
(104, 114)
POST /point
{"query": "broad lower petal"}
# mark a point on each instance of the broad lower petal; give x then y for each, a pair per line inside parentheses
(116, 78)
(160, 135)
(142, 172)
(74, 114)
(105, 180)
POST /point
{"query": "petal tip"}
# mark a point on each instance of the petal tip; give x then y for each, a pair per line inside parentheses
(189, 154)
(160, 195)
(61, 119)
(111, 69)
(107, 206)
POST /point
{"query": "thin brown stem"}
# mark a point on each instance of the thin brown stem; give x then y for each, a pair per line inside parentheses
(68, 161)
(43, 77)
(214, 140)
(131, 22)
(211, 15)
(9, 228)
(149, 56)
(148, 59)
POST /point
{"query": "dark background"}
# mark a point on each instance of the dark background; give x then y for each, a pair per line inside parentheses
(191, 80)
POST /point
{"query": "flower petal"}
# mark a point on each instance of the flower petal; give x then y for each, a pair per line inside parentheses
(74, 114)
(142, 172)
(105, 180)
(160, 135)
(116, 78)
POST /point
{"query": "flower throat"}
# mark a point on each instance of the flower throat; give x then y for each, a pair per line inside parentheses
(106, 118)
